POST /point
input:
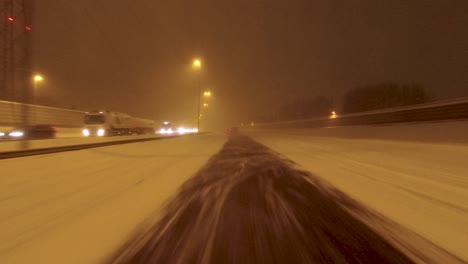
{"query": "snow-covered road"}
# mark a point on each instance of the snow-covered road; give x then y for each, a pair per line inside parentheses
(421, 185)
(77, 207)
(80, 206)
(247, 205)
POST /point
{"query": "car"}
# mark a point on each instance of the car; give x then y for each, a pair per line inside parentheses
(30, 132)
(233, 130)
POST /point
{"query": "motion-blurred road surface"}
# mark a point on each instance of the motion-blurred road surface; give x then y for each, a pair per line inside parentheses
(249, 206)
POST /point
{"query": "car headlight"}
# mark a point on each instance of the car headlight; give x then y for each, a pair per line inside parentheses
(101, 132)
(181, 130)
(85, 132)
(162, 131)
(16, 134)
(169, 131)
(2, 134)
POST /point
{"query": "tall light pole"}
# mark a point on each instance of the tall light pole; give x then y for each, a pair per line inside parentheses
(197, 64)
(37, 78)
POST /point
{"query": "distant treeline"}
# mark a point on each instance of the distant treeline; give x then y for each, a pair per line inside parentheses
(381, 96)
(359, 99)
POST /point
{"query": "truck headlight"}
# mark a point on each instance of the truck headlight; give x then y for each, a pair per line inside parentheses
(86, 132)
(101, 132)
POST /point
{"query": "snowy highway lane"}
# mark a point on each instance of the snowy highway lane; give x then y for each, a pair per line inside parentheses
(421, 186)
(247, 205)
(77, 207)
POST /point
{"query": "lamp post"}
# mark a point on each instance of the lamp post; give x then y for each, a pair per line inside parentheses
(197, 65)
(37, 78)
(28, 114)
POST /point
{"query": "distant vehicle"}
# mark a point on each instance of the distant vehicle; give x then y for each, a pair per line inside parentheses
(166, 128)
(30, 132)
(233, 130)
(107, 123)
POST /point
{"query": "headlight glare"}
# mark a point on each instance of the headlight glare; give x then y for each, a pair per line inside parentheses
(16, 134)
(100, 132)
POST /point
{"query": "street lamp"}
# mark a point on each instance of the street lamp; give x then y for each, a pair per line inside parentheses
(197, 64)
(207, 93)
(37, 78)
(205, 105)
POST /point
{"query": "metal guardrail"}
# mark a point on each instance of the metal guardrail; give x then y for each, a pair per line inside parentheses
(88, 145)
(436, 111)
(41, 151)
(15, 114)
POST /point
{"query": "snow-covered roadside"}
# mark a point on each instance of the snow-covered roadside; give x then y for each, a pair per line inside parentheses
(422, 186)
(442, 132)
(77, 207)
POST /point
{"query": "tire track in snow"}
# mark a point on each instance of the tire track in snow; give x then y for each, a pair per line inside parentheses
(247, 205)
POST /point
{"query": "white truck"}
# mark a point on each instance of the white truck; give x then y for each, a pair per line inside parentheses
(108, 123)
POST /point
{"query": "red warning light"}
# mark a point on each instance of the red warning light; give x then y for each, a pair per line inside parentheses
(11, 19)
(28, 28)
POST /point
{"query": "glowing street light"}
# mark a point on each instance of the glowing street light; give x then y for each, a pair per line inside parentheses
(207, 93)
(38, 78)
(205, 105)
(333, 115)
(197, 64)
